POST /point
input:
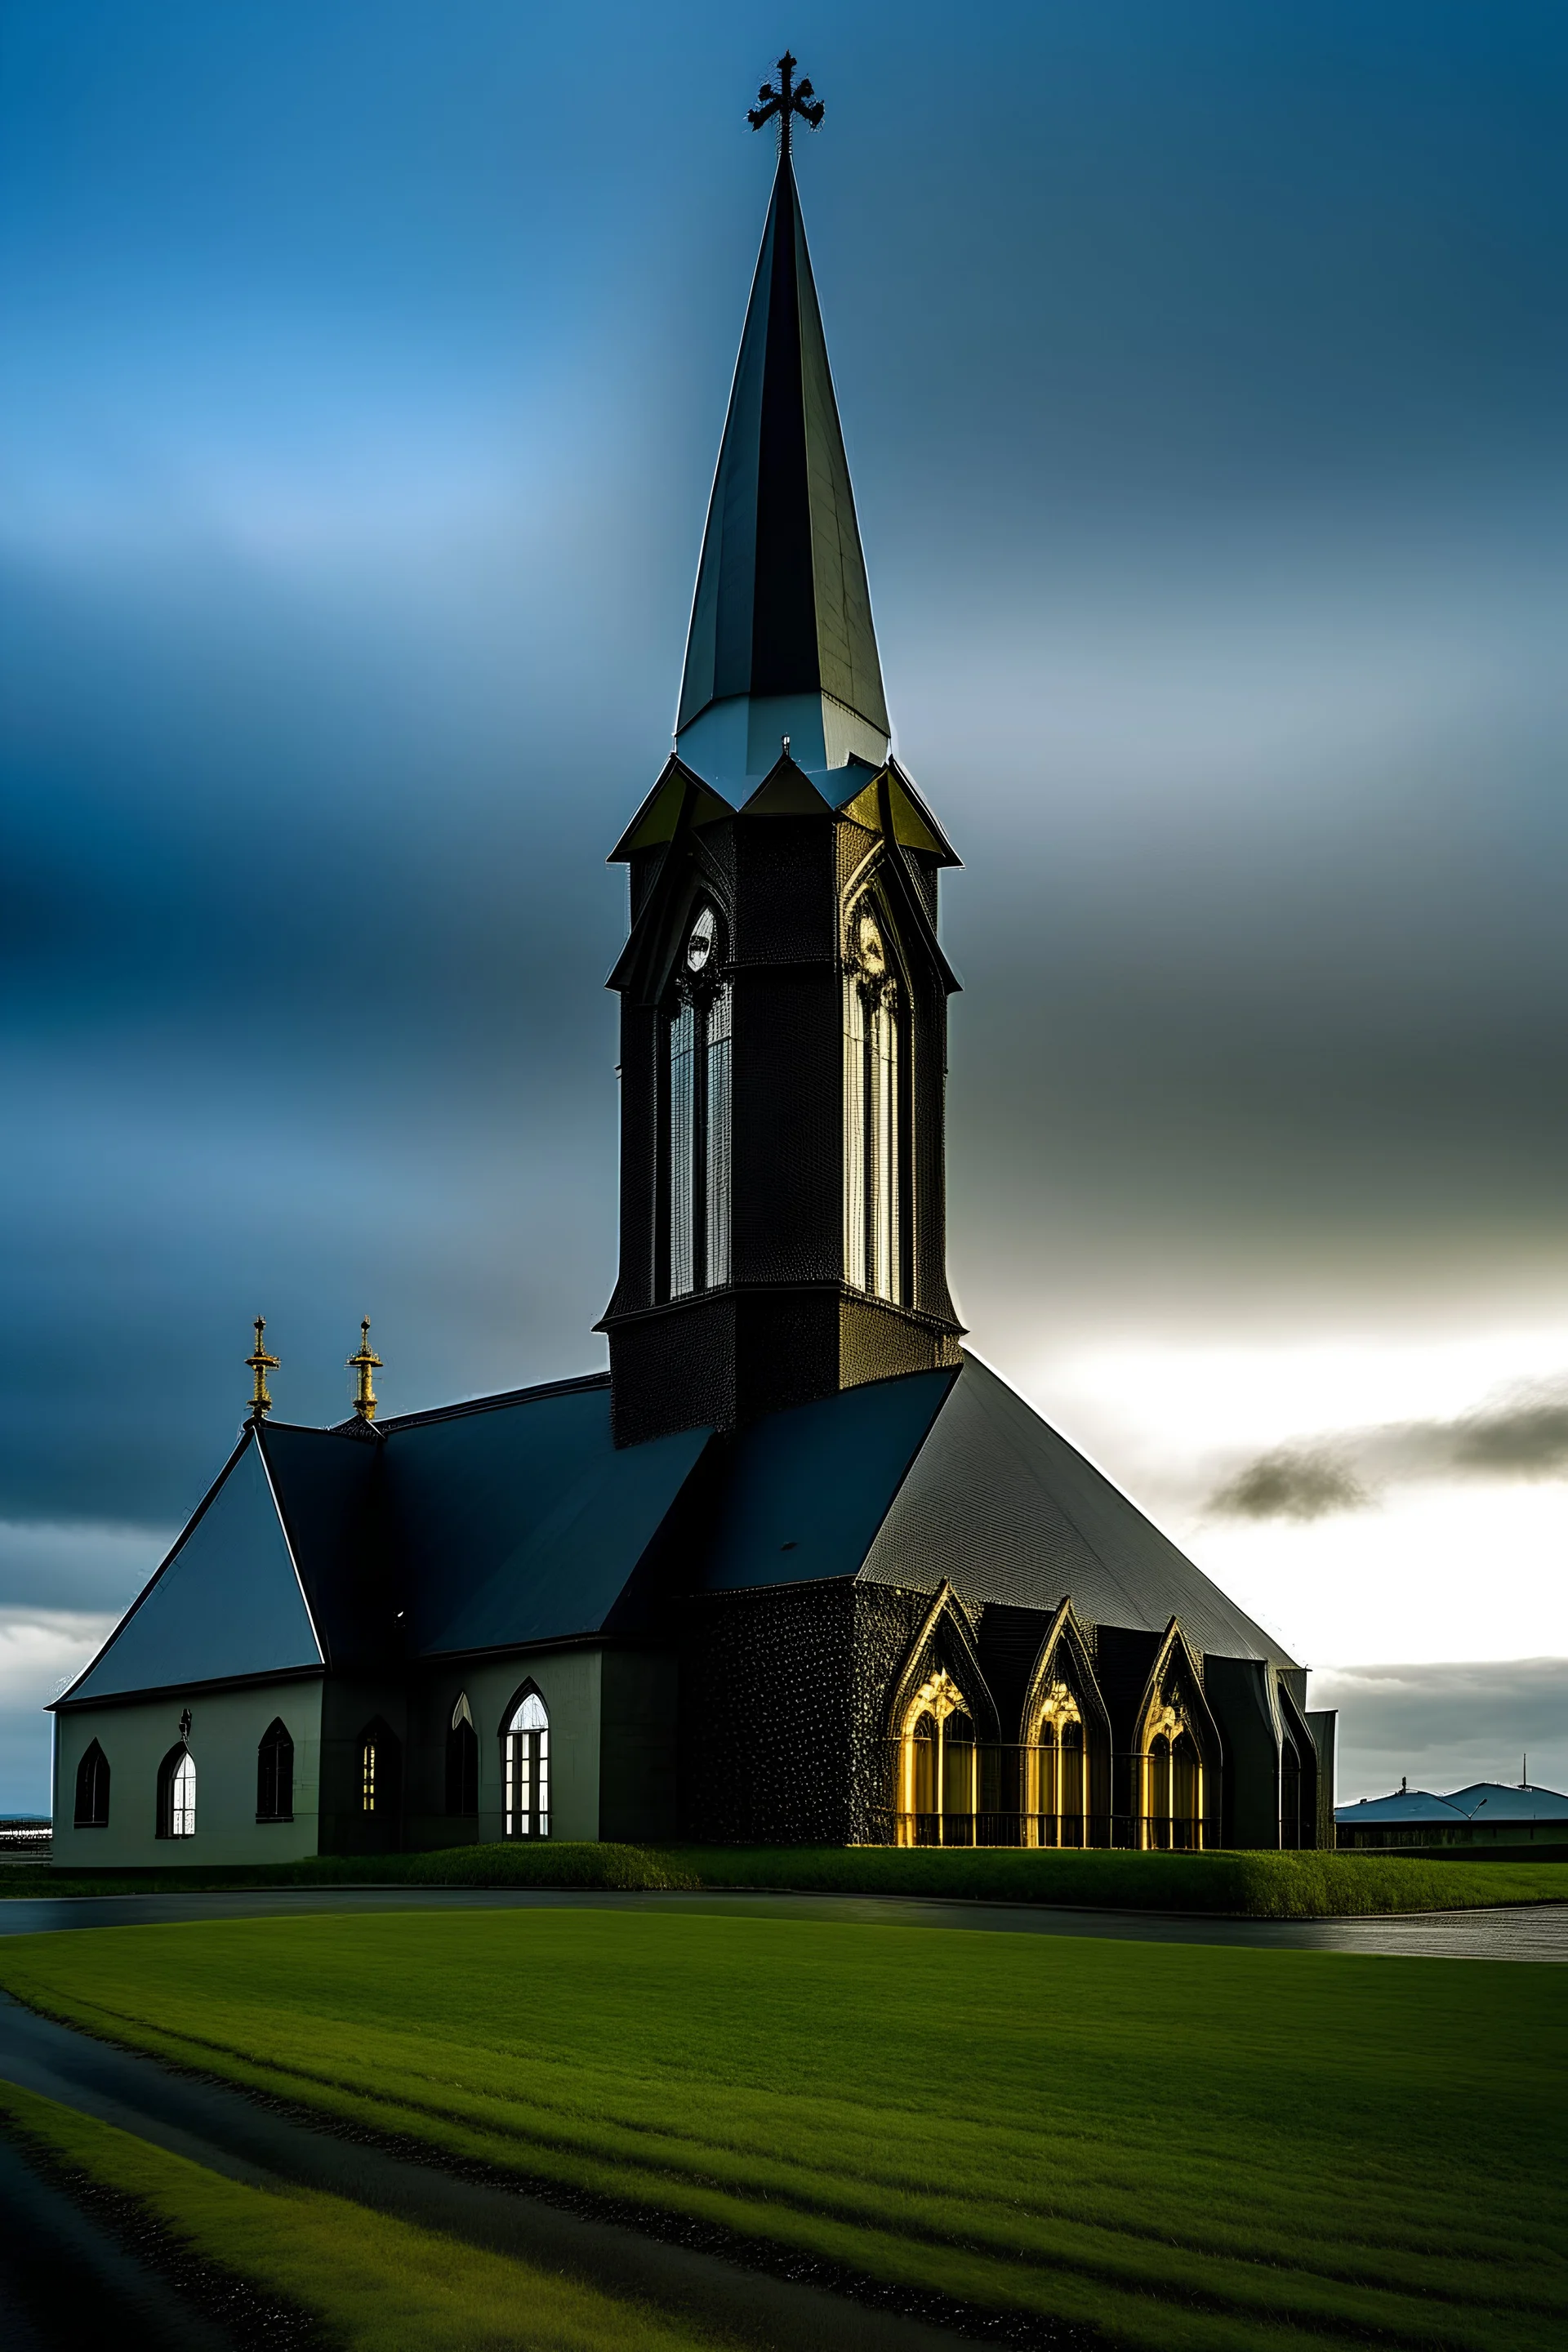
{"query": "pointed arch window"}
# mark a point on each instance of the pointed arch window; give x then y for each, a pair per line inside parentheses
(527, 1769)
(698, 1092)
(1173, 1776)
(872, 1145)
(462, 1762)
(939, 1781)
(92, 1790)
(275, 1773)
(177, 1794)
(1056, 1773)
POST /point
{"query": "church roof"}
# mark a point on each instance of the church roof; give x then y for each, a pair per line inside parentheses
(227, 1603)
(951, 1474)
(782, 605)
(516, 1519)
(1000, 1502)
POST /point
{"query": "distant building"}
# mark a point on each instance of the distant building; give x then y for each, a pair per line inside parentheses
(1487, 1814)
(797, 1567)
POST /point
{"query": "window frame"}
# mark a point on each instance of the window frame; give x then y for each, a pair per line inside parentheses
(177, 1818)
(526, 1765)
(877, 1050)
(275, 1747)
(694, 1211)
(96, 1814)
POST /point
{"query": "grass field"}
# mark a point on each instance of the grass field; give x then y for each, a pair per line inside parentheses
(379, 2285)
(1192, 2146)
(1253, 1885)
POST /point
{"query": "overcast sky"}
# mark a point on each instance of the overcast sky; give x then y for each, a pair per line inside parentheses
(1204, 379)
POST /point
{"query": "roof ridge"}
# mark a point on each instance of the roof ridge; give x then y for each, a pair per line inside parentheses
(465, 1405)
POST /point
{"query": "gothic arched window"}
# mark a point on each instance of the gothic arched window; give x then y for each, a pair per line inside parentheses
(872, 1243)
(462, 1762)
(92, 1790)
(697, 1107)
(177, 1794)
(527, 1769)
(275, 1774)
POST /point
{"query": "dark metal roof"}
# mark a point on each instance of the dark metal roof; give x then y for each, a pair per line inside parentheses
(781, 605)
(803, 1492)
(326, 1485)
(505, 1521)
(517, 1520)
(225, 1604)
(1000, 1502)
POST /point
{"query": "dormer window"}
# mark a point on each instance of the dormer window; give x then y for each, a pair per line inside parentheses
(698, 1096)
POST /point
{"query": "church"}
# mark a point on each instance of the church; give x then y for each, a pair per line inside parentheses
(797, 1567)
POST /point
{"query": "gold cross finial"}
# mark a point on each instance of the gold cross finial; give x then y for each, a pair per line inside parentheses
(364, 1363)
(260, 1363)
(789, 99)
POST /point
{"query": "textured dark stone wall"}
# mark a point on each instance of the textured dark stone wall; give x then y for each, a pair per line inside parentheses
(887, 1621)
(765, 1707)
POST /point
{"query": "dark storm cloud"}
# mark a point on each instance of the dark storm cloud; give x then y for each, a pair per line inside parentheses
(1524, 1438)
(1288, 1485)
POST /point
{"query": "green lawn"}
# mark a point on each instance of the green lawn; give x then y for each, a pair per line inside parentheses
(1193, 2145)
(380, 2285)
(1253, 1885)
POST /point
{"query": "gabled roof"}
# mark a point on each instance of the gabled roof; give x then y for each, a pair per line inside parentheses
(510, 1521)
(517, 1520)
(679, 796)
(950, 1474)
(1002, 1503)
(227, 1603)
(781, 605)
(803, 1492)
(326, 1485)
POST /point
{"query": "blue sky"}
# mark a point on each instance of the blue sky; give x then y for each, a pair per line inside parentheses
(1203, 376)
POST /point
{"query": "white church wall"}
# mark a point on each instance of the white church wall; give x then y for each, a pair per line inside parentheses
(227, 1727)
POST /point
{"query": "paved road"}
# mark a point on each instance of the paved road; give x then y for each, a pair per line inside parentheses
(1535, 1931)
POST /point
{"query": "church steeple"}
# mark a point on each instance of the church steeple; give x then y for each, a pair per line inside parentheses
(784, 992)
(781, 640)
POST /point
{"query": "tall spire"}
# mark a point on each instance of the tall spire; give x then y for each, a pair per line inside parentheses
(782, 641)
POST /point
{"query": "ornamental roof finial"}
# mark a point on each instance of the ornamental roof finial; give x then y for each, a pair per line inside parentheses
(789, 99)
(364, 1363)
(259, 1363)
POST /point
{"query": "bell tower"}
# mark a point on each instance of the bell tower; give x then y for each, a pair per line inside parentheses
(784, 991)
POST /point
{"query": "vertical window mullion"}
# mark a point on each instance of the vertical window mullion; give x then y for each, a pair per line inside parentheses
(855, 1205)
(717, 1137)
(700, 1278)
(682, 1144)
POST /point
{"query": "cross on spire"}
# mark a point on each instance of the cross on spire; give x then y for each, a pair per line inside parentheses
(788, 100)
(367, 1362)
(260, 1363)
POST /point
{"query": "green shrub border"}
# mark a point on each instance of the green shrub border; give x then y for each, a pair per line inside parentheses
(1232, 1885)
